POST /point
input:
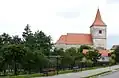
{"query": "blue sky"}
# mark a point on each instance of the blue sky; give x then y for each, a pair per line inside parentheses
(57, 17)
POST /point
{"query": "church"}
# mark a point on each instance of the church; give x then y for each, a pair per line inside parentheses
(96, 39)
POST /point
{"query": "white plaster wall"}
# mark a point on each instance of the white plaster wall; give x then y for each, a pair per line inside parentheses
(99, 43)
(58, 46)
(67, 46)
(104, 59)
(95, 32)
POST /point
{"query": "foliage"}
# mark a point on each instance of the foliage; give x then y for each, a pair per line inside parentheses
(27, 54)
(116, 52)
(89, 63)
(93, 56)
(84, 47)
(111, 61)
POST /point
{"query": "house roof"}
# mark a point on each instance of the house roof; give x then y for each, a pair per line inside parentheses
(98, 20)
(102, 52)
(62, 39)
(75, 38)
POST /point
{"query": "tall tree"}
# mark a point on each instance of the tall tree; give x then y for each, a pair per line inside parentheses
(27, 32)
(6, 38)
(28, 37)
(16, 40)
(13, 54)
(43, 42)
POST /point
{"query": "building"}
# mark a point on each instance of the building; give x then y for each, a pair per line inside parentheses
(114, 47)
(96, 38)
(104, 55)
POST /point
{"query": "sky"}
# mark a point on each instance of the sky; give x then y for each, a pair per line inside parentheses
(57, 17)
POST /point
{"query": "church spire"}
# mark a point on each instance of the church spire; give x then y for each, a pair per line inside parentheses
(98, 20)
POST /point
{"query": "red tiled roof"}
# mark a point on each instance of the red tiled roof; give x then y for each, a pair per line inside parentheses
(102, 52)
(62, 39)
(98, 20)
(75, 38)
(85, 51)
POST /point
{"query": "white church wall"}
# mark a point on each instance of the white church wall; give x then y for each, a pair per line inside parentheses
(58, 46)
(73, 45)
(95, 32)
(67, 46)
(99, 43)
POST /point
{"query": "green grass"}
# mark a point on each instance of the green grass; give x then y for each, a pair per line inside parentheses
(17, 77)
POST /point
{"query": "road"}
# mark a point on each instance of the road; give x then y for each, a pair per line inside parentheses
(85, 73)
(113, 75)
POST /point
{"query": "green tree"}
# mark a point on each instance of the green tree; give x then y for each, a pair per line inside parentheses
(58, 52)
(93, 55)
(28, 38)
(74, 55)
(37, 41)
(84, 47)
(5, 38)
(43, 42)
(116, 52)
(34, 61)
(13, 54)
(27, 32)
(16, 40)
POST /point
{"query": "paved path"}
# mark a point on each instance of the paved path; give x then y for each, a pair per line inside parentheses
(113, 75)
(83, 73)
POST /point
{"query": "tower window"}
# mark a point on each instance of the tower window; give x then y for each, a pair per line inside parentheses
(100, 31)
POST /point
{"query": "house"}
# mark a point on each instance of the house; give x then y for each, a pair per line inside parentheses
(114, 47)
(104, 55)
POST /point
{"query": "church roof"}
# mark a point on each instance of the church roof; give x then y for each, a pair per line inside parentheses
(98, 20)
(75, 38)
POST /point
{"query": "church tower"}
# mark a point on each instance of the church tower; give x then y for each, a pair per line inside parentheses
(98, 32)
